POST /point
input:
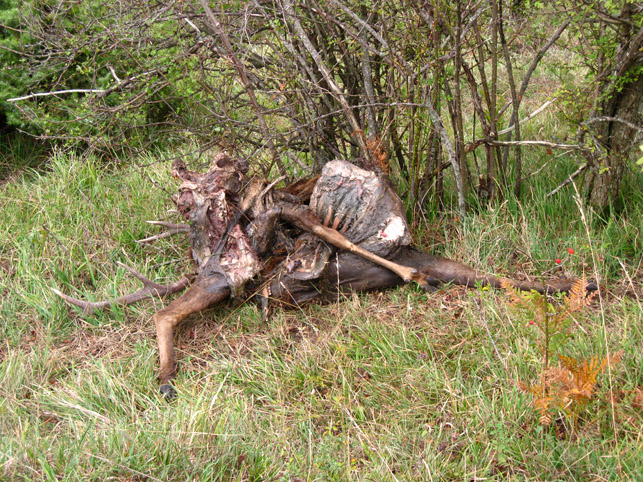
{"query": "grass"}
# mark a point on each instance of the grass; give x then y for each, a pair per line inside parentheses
(20, 152)
(401, 385)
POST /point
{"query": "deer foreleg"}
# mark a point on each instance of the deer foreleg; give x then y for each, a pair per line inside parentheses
(305, 219)
(206, 291)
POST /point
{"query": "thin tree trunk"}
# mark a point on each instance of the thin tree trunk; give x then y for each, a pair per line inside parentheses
(515, 102)
(457, 100)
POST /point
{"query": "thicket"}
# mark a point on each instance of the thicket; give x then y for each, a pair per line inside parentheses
(290, 85)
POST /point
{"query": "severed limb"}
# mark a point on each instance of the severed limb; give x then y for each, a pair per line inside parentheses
(149, 289)
(349, 272)
(437, 271)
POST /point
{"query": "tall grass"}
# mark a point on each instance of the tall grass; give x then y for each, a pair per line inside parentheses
(19, 152)
(402, 385)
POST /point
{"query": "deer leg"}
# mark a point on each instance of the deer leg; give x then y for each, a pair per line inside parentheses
(304, 218)
(205, 292)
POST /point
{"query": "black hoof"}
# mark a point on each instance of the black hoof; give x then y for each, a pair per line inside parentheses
(168, 391)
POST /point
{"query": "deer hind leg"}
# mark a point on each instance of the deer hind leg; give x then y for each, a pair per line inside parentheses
(205, 292)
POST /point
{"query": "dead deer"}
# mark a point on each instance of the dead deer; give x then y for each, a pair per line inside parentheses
(343, 230)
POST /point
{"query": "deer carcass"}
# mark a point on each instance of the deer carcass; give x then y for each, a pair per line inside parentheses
(343, 230)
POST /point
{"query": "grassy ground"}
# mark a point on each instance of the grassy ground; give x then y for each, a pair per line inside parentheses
(393, 386)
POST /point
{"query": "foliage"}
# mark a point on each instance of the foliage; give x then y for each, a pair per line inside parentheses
(13, 78)
(567, 387)
(106, 77)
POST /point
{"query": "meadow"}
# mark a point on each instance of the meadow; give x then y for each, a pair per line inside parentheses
(392, 386)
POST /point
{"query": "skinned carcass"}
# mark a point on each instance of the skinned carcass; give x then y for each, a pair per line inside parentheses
(343, 230)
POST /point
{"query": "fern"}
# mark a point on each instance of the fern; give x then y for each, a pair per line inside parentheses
(569, 386)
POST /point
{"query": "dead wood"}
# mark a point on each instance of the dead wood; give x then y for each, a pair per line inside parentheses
(171, 229)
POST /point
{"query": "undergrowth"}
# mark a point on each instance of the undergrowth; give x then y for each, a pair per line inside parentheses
(401, 385)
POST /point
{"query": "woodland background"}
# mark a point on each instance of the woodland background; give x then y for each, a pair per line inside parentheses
(511, 130)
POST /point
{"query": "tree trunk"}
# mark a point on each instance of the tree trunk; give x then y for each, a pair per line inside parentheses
(618, 119)
(622, 114)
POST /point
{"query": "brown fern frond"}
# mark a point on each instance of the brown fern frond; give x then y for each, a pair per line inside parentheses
(575, 298)
(569, 363)
(583, 375)
(543, 405)
(545, 419)
(537, 390)
(578, 298)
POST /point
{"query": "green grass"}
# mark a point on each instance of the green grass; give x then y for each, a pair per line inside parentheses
(403, 385)
(20, 152)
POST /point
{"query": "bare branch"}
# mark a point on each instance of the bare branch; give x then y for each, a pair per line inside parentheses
(569, 179)
(57, 92)
(337, 91)
(221, 33)
(438, 125)
(553, 145)
(541, 53)
(528, 118)
(613, 119)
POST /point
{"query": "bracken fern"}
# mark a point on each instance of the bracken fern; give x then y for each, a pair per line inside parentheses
(569, 385)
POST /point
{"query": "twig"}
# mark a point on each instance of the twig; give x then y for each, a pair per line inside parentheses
(270, 186)
(189, 22)
(438, 125)
(528, 118)
(335, 90)
(102, 92)
(613, 119)
(216, 27)
(582, 167)
(537, 171)
(57, 92)
(553, 145)
(113, 72)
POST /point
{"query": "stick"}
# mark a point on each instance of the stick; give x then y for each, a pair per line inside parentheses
(528, 118)
(172, 229)
(552, 145)
(569, 179)
(57, 92)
